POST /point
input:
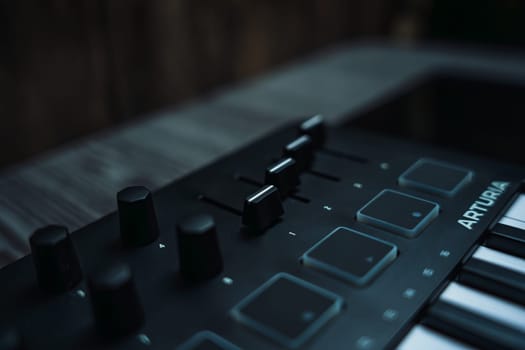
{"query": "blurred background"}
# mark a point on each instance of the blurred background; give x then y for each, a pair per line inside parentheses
(70, 68)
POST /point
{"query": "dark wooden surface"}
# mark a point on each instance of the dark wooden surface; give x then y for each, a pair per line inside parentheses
(76, 184)
(72, 67)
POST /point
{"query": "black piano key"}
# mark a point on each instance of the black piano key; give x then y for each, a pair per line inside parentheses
(509, 232)
(494, 279)
(506, 244)
(472, 329)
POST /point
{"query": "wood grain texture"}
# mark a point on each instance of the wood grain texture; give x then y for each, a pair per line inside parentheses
(70, 68)
(51, 64)
(76, 184)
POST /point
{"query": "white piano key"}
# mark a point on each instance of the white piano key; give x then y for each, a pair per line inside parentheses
(517, 209)
(421, 337)
(512, 222)
(485, 305)
(498, 258)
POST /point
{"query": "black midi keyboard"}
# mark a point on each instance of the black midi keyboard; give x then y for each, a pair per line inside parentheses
(311, 238)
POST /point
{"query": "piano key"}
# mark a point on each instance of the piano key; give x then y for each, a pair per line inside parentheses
(512, 222)
(421, 337)
(509, 232)
(517, 209)
(501, 259)
(471, 328)
(507, 245)
(494, 279)
(484, 305)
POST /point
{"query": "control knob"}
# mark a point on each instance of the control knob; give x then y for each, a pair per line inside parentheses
(55, 259)
(199, 252)
(138, 222)
(114, 300)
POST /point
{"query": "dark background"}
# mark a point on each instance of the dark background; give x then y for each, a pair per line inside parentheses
(69, 68)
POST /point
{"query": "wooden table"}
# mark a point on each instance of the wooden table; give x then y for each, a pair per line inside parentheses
(76, 185)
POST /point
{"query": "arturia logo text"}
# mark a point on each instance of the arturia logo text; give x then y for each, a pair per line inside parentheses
(485, 201)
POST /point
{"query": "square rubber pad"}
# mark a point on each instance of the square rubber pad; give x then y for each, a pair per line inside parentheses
(207, 340)
(435, 177)
(287, 309)
(398, 212)
(350, 255)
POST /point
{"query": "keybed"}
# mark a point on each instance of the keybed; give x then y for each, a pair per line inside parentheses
(484, 306)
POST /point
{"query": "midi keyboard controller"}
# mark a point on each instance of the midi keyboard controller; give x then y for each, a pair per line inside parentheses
(313, 237)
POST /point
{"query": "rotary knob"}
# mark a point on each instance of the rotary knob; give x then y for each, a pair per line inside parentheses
(138, 222)
(55, 259)
(199, 252)
(115, 302)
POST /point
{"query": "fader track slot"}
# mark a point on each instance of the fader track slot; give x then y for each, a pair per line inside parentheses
(344, 155)
(219, 205)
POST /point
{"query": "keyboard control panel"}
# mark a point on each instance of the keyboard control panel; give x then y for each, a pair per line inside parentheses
(310, 238)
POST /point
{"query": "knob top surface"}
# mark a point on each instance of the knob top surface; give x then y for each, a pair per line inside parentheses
(196, 224)
(133, 194)
(49, 235)
(111, 276)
